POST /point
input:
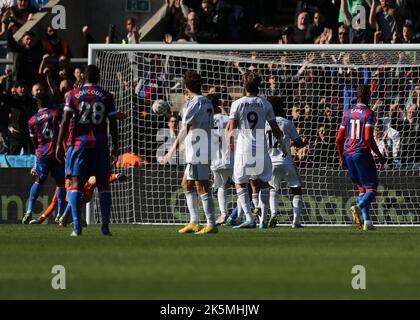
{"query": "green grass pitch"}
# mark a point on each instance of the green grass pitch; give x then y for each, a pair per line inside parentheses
(155, 262)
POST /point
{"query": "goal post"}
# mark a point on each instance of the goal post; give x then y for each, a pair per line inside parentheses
(315, 84)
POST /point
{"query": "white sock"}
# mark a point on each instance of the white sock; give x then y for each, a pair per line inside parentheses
(274, 200)
(222, 199)
(207, 200)
(297, 208)
(255, 200)
(369, 222)
(264, 203)
(243, 198)
(240, 216)
(192, 204)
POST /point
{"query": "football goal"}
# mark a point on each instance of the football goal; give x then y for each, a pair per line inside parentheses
(315, 84)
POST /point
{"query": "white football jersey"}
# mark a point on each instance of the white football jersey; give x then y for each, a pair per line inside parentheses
(219, 147)
(198, 114)
(251, 114)
(289, 134)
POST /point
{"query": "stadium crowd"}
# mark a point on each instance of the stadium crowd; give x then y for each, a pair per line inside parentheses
(315, 91)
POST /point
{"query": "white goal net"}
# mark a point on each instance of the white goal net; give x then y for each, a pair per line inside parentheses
(316, 83)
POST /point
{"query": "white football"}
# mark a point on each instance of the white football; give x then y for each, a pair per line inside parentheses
(160, 107)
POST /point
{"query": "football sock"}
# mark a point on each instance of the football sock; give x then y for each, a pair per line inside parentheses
(192, 204)
(243, 198)
(105, 201)
(365, 207)
(240, 210)
(366, 199)
(33, 195)
(207, 200)
(297, 208)
(264, 203)
(222, 197)
(67, 211)
(74, 197)
(273, 202)
(61, 200)
(255, 200)
(234, 213)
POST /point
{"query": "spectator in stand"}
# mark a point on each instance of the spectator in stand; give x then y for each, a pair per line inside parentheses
(189, 32)
(207, 28)
(412, 14)
(111, 37)
(66, 84)
(273, 86)
(317, 27)
(358, 33)
(29, 56)
(408, 35)
(175, 17)
(309, 122)
(87, 40)
(381, 141)
(3, 144)
(53, 45)
(170, 134)
(60, 71)
(327, 8)
(4, 20)
(386, 18)
(295, 115)
(409, 128)
(300, 29)
(323, 151)
(21, 12)
(287, 36)
(4, 108)
(133, 35)
(22, 108)
(79, 77)
(301, 155)
(327, 115)
(342, 35)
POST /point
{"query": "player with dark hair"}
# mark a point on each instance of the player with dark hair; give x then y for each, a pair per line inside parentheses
(221, 166)
(355, 142)
(252, 161)
(284, 168)
(197, 121)
(43, 129)
(85, 116)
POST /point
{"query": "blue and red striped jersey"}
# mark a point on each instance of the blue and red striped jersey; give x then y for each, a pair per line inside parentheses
(91, 106)
(354, 122)
(44, 127)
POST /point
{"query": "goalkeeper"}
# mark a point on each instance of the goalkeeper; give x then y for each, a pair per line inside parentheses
(87, 195)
